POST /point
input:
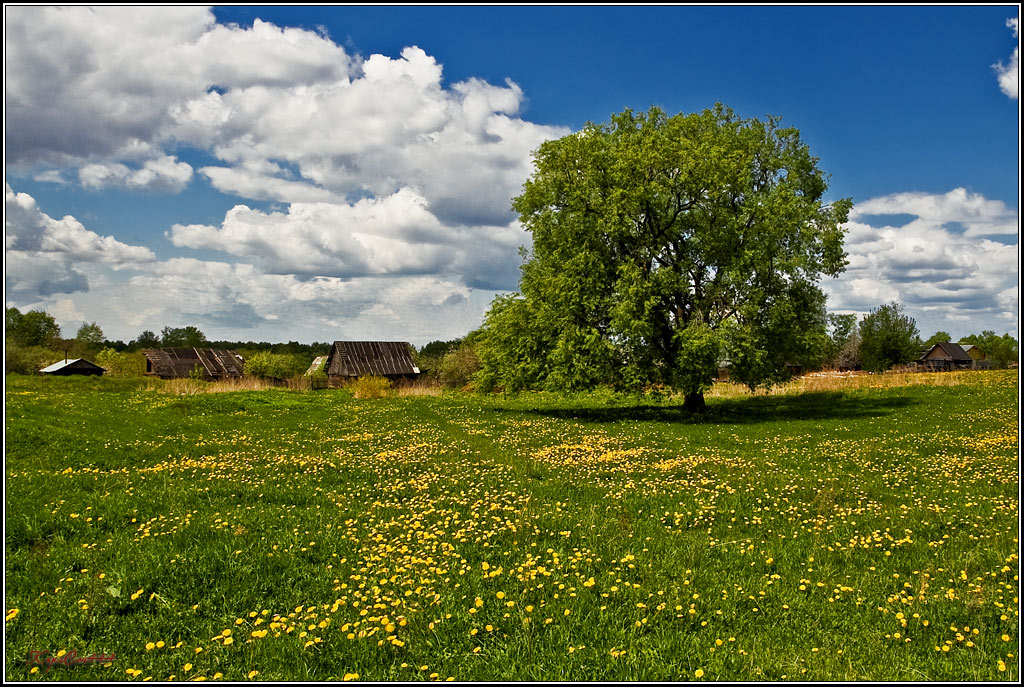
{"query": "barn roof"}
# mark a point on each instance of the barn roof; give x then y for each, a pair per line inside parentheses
(179, 362)
(77, 363)
(358, 358)
(951, 351)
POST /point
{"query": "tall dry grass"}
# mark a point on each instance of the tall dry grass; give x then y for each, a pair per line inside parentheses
(188, 387)
(847, 381)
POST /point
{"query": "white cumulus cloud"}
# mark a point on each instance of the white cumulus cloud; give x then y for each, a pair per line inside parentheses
(940, 262)
(28, 229)
(165, 173)
(1009, 76)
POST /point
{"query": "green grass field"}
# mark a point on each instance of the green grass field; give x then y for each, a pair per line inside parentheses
(852, 534)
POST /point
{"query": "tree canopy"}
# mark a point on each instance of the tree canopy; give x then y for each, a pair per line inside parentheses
(34, 328)
(938, 337)
(663, 246)
(182, 336)
(888, 337)
(90, 335)
(999, 350)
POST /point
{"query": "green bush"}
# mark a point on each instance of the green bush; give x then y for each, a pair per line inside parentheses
(28, 360)
(276, 365)
(371, 387)
(458, 367)
(121, 364)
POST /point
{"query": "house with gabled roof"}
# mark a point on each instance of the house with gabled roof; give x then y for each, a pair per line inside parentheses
(77, 366)
(945, 356)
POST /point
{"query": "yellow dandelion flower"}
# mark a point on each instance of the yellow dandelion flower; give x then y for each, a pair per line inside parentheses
(699, 672)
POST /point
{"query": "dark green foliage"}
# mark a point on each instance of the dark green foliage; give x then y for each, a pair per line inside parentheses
(459, 366)
(662, 245)
(887, 338)
(937, 337)
(28, 360)
(278, 366)
(841, 328)
(428, 359)
(146, 339)
(34, 328)
(1000, 351)
(182, 336)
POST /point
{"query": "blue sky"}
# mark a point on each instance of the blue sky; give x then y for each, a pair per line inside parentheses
(308, 174)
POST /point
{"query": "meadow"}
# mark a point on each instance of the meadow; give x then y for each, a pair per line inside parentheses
(841, 531)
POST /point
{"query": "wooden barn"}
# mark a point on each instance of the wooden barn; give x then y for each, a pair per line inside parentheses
(945, 356)
(349, 360)
(78, 366)
(206, 363)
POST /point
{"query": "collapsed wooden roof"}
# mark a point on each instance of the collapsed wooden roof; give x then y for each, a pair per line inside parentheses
(180, 362)
(382, 358)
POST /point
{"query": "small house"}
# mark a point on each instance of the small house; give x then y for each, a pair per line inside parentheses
(349, 360)
(78, 366)
(945, 356)
(204, 363)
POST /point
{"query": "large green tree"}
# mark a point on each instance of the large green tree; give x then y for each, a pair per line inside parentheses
(90, 337)
(888, 337)
(663, 246)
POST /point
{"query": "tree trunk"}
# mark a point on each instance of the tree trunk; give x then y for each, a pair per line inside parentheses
(694, 402)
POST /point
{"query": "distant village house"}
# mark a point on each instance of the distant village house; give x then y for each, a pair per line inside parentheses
(945, 356)
(78, 366)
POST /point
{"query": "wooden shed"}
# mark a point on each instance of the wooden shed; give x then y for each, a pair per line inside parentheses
(207, 363)
(349, 360)
(78, 366)
(945, 356)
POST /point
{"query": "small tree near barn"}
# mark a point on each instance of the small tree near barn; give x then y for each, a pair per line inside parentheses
(887, 338)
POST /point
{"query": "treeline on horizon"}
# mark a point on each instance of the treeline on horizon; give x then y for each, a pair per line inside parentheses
(33, 340)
